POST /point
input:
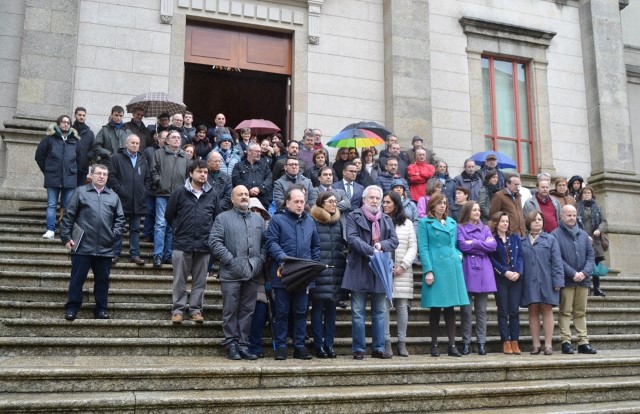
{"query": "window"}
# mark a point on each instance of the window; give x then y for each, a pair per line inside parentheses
(507, 111)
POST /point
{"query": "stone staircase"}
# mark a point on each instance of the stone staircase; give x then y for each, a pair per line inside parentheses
(139, 362)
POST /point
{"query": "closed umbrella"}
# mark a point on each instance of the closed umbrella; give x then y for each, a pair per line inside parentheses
(156, 103)
(382, 267)
(296, 274)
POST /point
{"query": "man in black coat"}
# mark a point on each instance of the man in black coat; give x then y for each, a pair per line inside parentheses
(131, 180)
(86, 141)
(255, 175)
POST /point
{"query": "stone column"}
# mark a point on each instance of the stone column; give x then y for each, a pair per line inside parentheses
(407, 68)
(45, 91)
(613, 173)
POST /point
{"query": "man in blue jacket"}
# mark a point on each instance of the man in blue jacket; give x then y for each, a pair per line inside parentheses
(291, 233)
(578, 262)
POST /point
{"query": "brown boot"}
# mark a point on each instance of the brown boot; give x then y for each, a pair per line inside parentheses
(515, 348)
(506, 347)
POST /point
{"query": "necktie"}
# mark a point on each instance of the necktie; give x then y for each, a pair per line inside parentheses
(348, 190)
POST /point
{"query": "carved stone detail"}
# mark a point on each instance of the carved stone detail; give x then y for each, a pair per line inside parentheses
(315, 7)
(166, 11)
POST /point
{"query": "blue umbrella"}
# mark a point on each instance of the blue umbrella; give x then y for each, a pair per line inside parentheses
(504, 161)
(382, 268)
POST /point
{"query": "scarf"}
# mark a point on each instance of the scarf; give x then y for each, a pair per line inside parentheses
(116, 125)
(492, 189)
(375, 223)
(587, 203)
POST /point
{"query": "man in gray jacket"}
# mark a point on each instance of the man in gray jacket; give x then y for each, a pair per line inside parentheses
(97, 212)
(111, 137)
(237, 240)
(578, 261)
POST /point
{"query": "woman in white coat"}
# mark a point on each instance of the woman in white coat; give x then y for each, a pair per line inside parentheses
(402, 271)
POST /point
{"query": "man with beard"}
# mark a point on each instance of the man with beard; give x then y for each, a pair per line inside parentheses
(236, 239)
(86, 141)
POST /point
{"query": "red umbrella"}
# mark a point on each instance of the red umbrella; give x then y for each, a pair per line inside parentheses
(258, 126)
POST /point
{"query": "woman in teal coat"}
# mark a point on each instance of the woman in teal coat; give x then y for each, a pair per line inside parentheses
(443, 286)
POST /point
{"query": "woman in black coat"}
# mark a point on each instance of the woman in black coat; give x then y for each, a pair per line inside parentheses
(326, 289)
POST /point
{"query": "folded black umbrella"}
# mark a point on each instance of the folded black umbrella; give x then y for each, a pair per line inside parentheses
(296, 274)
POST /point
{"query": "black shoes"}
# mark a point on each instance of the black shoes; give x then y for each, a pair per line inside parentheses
(115, 259)
(302, 353)
(358, 355)
(157, 261)
(233, 352)
(137, 260)
(321, 353)
(280, 354)
(567, 348)
(598, 292)
(586, 349)
(482, 350)
(453, 351)
(466, 349)
(70, 315)
(246, 354)
(167, 261)
(435, 350)
(101, 315)
(331, 353)
(380, 355)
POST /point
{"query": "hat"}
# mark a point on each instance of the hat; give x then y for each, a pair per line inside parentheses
(491, 157)
(224, 137)
(255, 203)
(396, 182)
(417, 138)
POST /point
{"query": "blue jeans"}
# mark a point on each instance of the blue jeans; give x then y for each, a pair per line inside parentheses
(323, 322)
(53, 193)
(260, 314)
(508, 302)
(162, 235)
(80, 265)
(150, 217)
(298, 302)
(134, 236)
(358, 310)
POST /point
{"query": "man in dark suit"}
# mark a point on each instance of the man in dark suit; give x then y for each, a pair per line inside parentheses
(348, 184)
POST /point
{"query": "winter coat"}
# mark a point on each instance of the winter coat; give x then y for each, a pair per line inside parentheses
(439, 255)
(202, 148)
(563, 199)
(108, 141)
(191, 217)
(511, 250)
(146, 138)
(290, 235)
(358, 276)
(328, 284)
(254, 175)
(410, 210)
(448, 187)
(533, 204)
(230, 161)
(57, 158)
(542, 271)
(476, 264)
(454, 211)
(502, 201)
(423, 203)
(99, 215)
(473, 184)
(385, 181)
(132, 184)
(403, 256)
(364, 178)
(483, 173)
(86, 142)
(577, 254)
(221, 184)
(237, 240)
(168, 170)
(484, 201)
(281, 185)
(591, 219)
(418, 174)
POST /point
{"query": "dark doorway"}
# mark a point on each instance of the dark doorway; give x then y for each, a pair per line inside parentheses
(238, 95)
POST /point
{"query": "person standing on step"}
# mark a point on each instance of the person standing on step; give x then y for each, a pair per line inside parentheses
(86, 137)
(190, 212)
(291, 233)
(57, 157)
(97, 212)
(110, 137)
(578, 259)
(591, 216)
(237, 240)
(129, 177)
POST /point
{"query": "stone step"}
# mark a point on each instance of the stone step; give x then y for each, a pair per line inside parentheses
(114, 374)
(187, 346)
(608, 407)
(64, 265)
(373, 398)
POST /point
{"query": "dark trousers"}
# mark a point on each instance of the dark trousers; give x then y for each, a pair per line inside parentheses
(449, 321)
(508, 302)
(150, 217)
(134, 236)
(238, 303)
(323, 322)
(258, 321)
(80, 265)
(298, 302)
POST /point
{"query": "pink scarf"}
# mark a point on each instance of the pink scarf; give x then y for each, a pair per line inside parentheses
(375, 223)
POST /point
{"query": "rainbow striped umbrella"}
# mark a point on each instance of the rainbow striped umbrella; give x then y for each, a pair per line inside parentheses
(355, 138)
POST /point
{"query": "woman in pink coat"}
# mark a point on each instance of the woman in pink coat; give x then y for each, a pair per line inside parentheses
(476, 242)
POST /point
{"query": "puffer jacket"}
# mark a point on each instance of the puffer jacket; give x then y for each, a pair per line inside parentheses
(99, 215)
(403, 256)
(237, 240)
(577, 254)
(327, 285)
(58, 158)
(169, 170)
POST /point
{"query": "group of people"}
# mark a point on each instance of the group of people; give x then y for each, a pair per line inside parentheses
(209, 195)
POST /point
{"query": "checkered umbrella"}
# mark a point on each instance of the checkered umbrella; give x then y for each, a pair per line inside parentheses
(155, 103)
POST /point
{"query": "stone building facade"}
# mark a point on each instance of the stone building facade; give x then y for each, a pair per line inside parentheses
(417, 66)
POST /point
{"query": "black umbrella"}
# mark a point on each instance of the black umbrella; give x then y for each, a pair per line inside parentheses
(375, 127)
(296, 274)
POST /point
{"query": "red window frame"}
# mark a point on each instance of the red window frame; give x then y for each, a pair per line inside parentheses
(518, 139)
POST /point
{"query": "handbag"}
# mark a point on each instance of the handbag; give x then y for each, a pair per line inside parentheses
(604, 240)
(600, 270)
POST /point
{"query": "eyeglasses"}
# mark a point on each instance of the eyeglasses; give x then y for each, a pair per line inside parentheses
(331, 201)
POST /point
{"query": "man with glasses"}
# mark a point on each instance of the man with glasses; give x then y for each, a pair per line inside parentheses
(292, 151)
(348, 184)
(325, 176)
(291, 175)
(306, 152)
(391, 173)
(254, 174)
(220, 181)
